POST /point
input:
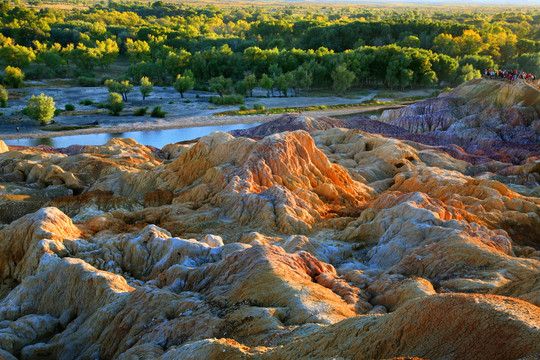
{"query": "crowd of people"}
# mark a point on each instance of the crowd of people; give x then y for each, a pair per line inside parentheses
(509, 74)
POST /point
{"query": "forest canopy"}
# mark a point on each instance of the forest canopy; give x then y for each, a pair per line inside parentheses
(294, 45)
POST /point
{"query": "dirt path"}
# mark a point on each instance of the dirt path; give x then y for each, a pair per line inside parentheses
(177, 123)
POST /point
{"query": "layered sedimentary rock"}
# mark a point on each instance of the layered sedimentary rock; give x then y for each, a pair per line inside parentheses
(492, 118)
(332, 243)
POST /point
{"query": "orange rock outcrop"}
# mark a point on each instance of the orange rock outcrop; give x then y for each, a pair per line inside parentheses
(329, 244)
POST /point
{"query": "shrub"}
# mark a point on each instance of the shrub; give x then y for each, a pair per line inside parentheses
(86, 81)
(242, 107)
(184, 82)
(116, 105)
(86, 102)
(227, 100)
(157, 112)
(13, 77)
(40, 108)
(3, 97)
(70, 107)
(140, 111)
(258, 106)
(200, 87)
(146, 87)
(122, 87)
(40, 72)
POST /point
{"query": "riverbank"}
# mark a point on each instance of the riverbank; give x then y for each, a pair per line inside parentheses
(119, 124)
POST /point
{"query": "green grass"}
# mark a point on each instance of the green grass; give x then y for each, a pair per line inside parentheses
(280, 110)
(68, 128)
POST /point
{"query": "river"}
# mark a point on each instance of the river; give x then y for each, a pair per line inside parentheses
(157, 138)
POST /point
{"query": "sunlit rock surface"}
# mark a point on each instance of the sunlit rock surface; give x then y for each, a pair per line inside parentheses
(316, 243)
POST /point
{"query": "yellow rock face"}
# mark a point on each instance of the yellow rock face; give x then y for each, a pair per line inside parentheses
(334, 244)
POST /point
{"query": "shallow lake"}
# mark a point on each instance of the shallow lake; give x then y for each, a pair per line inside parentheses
(157, 138)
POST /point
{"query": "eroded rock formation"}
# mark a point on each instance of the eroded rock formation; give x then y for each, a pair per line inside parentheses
(332, 243)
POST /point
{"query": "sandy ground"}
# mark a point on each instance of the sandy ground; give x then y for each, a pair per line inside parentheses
(193, 110)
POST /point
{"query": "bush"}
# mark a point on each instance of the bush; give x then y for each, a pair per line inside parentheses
(86, 81)
(70, 107)
(227, 100)
(140, 111)
(146, 87)
(258, 106)
(116, 105)
(122, 87)
(86, 102)
(40, 108)
(40, 72)
(3, 97)
(200, 87)
(157, 112)
(13, 77)
(242, 107)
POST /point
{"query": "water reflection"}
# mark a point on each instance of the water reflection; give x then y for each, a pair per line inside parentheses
(157, 138)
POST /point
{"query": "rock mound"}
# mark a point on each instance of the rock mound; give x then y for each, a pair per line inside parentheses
(290, 122)
(480, 115)
(331, 243)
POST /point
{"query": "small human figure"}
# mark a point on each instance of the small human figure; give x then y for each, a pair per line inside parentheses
(17, 129)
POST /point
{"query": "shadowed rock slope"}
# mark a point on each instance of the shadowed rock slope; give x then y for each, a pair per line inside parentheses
(497, 119)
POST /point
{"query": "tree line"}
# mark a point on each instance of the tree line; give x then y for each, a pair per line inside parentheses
(293, 47)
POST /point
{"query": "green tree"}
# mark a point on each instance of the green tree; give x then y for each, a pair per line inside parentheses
(122, 87)
(478, 62)
(266, 83)
(13, 77)
(411, 41)
(445, 67)
(445, 44)
(530, 63)
(17, 55)
(138, 50)
(3, 96)
(51, 59)
(184, 82)
(221, 85)
(343, 79)
(526, 46)
(302, 79)
(146, 87)
(176, 62)
(466, 73)
(108, 52)
(469, 43)
(85, 58)
(40, 108)
(250, 81)
(284, 82)
(240, 88)
(115, 103)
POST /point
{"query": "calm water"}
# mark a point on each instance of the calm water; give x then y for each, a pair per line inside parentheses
(157, 138)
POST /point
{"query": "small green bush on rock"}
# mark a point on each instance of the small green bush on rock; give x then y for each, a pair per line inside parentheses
(40, 108)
